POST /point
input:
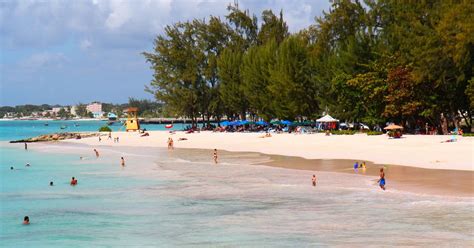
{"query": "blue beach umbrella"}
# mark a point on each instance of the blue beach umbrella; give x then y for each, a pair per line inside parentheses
(285, 122)
(261, 123)
(224, 123)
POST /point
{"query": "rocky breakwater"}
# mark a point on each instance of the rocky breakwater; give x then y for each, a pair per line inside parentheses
(56, 137)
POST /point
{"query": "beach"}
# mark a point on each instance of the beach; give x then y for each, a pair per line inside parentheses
(423, 151)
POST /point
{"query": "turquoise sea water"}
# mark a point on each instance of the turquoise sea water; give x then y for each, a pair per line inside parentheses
(16, 129)
(179, 198)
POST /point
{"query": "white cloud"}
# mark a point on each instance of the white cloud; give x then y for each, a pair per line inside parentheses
(44, 59)
(85, 44)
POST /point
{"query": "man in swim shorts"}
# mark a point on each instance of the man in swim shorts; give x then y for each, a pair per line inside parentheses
(314, 180)
(122, 161)
(381, 181)
(96, 153)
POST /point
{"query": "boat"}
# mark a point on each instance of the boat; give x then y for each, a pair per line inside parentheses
(169, 126)
(46, 124)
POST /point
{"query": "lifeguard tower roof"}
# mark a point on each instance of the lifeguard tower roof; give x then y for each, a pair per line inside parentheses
(131, 109)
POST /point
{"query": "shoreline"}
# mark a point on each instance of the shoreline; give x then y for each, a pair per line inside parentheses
(422, 151)
(405, 179)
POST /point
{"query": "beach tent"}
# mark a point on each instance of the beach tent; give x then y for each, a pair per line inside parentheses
(392, 127)
(327, 118)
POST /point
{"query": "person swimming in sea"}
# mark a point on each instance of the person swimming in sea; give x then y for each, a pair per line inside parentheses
(73, 181)
(314, 180)
(381, 181)
(26, 220)
(356, 166)
(11, 168)
(27, 164)
(51, 183)
(96, 153)
(122, 162)
(215, 156)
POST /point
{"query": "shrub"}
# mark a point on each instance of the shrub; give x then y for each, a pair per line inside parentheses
(343, 132)
(468, 135)
(374, 133)
(105, 129)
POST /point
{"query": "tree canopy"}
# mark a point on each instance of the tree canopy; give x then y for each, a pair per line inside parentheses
(373, 62)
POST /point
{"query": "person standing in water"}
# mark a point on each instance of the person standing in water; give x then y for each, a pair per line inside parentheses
(26, 146)
(381, 181)
(96, 153)
(26, 220)
(314, 180)
(122, 162)
(73, 181)
(356, 166)
(215, 156)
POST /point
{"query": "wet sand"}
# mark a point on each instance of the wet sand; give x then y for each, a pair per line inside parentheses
(400, 178)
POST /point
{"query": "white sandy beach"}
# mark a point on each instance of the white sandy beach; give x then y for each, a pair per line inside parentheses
(411, 150)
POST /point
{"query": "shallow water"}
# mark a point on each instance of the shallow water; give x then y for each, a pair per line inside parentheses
(178, 198)
(20, 129)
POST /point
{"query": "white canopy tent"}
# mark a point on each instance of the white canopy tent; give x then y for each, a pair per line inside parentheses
(327, 118)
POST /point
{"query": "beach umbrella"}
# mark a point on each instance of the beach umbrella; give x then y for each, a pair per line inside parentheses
(250, 122)
(261, 123)
(224, 123)
(244, 122)
(393, 127)
(275, 123)
(285, 122)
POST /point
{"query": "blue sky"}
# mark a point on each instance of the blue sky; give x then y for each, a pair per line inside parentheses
(66, 52)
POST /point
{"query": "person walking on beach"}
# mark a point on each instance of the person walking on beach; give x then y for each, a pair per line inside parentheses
(110, 135)
(73, 181)
(122, 162)
(381, 181)
(314, 180)
(26, 146)
(170, 144)
(96, 153)
(215, 156)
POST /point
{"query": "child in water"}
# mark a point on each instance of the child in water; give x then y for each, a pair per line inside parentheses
(122, 162)
(381, 181)
(314, 180)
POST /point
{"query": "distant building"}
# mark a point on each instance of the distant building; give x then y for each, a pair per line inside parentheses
(56, 110)
(73, 110)
(96, 109)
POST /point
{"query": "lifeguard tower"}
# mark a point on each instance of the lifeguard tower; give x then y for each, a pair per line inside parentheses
(132, 119)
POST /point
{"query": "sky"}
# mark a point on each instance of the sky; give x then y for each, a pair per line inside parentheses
(69, 52)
